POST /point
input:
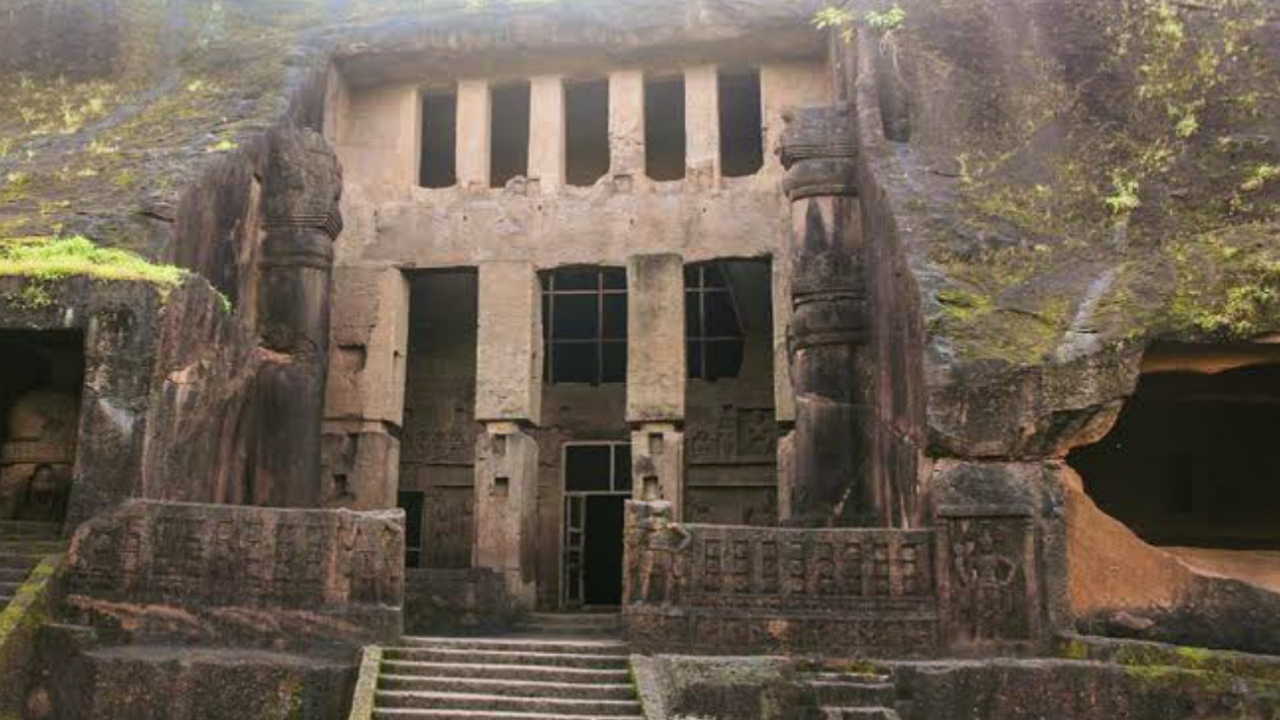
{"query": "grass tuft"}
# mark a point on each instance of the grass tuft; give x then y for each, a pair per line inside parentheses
(52, 258)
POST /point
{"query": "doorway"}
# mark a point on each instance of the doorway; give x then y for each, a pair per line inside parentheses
(597, 484)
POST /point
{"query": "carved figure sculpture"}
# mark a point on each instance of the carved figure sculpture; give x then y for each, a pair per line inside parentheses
(986, 578)
(663, 542)
(37, 458)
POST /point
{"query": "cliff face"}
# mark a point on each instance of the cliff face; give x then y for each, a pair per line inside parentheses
(1067, 184)
(1070, 181)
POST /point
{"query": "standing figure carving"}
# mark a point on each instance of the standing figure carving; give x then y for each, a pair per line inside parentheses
(661, 542)
(986, 578)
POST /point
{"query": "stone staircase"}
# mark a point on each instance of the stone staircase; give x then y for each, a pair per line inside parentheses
(22, 546)
(597, 626)
(854, 695)
(508, 678)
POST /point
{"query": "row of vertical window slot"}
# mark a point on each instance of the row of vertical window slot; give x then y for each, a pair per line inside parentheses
(586, 123)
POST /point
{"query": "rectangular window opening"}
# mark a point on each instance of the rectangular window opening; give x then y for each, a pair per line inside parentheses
(586, 130)
(741, 124)
(713, 321)
(509, 139)
(585, 325)
(664, 132)
(439, 167)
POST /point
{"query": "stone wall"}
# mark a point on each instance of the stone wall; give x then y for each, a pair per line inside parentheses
(157, 572)
(724, 589)
(982, 581)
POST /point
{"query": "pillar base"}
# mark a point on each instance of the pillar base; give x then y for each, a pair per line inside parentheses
(657, 464)
(506, 507)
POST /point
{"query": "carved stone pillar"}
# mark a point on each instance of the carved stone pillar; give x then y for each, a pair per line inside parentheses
(508, 400)
(506, 507)
(301, 192)
(656, 376)
(832, 365)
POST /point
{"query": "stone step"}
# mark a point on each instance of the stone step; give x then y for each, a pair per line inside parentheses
(5, 600)
(523, 645)
(506, 703)
(572, 625)
(506, 686)
(412, 713)
(8, 574)
(499, 671)
(9, 588)
(859, 713)
(23, 528)
(874, 678)
(507, 657)
(582, 619)
(852, 694)
(31, 547)
(23, 562)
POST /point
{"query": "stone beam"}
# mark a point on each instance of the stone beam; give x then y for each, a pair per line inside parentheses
(546, 132)
(475, 109)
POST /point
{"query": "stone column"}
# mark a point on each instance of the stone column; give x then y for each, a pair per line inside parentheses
(364, 406)
(301, 191)
(832, 365)
(546, 132)
(656, 376)
(626, 128)
(508, 400)
(702, 126)
(475, 108)
(784, 401)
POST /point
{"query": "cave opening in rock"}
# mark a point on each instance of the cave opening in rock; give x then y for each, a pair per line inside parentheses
(438, 168)
(41, 375)
(741, 123)
(665, 143)
(586, 131)
(437, 453)
(509, 138)
(1190, 464)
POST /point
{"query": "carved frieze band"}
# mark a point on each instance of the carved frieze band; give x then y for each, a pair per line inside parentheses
(329, 223)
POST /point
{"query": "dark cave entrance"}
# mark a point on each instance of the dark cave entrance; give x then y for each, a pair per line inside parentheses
(597, 479)
(1191, 461)
(41, 375)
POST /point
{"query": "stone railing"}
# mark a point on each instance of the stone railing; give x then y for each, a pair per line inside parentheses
(715, 588)
(223, 574)
(972, 583)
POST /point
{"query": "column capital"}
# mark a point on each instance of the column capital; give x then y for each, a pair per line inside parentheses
(819, 149)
